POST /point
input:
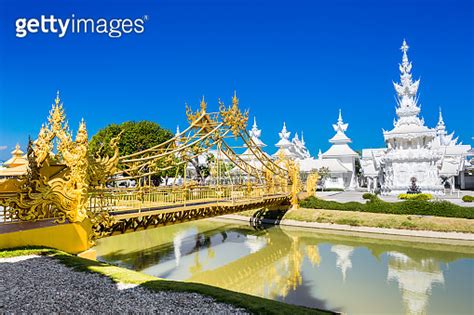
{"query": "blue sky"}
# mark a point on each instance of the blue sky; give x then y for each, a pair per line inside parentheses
(294, 61)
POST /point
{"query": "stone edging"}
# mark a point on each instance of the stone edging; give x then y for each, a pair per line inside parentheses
(363, 229)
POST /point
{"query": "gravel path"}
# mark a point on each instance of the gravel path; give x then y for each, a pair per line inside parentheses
(37, 284)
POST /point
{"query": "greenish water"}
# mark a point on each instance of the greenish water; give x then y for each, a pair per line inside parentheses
(335, 271)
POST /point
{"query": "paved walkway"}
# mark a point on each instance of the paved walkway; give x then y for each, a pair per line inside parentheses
(347, 196)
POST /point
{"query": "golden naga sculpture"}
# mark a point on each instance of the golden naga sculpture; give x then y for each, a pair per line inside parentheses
(294, 173)
(58, 181)
(311, 183)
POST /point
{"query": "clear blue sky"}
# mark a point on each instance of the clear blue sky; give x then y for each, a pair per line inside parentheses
(294, 61)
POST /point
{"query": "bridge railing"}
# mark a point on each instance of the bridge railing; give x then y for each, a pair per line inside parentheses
(9, 216)
(121, 200)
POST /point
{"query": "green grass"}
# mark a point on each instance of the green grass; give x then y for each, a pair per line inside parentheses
(253, 304)
(409, 207)
(348, 221)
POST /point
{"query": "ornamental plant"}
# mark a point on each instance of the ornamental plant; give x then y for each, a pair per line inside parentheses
(420, 197)
(468, 198)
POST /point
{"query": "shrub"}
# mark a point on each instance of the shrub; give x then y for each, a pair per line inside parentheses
(415, 196)
(468, 198)
(368, 196)
(409, 207)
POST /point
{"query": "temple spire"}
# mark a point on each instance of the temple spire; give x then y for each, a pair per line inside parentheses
(255, 134)
(284, 134)
(440, 118)
(340, 126)
(203, 105)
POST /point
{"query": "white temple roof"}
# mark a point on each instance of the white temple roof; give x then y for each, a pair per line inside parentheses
(284, 138)
(339, 150)
(256, 133)
(334, 165)
(340, 141)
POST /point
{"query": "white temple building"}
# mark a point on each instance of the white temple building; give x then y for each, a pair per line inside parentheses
(339, 159)
(431, 156)
(248, 156)
(342, 153)
(294, 149)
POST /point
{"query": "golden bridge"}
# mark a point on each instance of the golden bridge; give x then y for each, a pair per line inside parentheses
(66, 184)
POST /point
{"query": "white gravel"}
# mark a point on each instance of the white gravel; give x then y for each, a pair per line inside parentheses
(37, 284)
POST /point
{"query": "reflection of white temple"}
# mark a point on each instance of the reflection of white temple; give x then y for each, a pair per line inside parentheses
(415, 280)
(177, 241)
(343, 261)
(255, 243)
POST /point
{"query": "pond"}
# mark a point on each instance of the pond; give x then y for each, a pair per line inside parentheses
(350, 273)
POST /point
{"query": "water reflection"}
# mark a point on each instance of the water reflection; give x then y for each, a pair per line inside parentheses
(345, 273)
(415, 279)
(343, 261)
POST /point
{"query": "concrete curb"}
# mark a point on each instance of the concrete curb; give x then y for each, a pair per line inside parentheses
(362, 229)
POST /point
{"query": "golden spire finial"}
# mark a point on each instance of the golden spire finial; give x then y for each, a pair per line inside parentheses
(57, 99)
(203, 105)
(235, 100)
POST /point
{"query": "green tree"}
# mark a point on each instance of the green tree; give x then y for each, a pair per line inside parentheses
(323, 173)
(135, 136)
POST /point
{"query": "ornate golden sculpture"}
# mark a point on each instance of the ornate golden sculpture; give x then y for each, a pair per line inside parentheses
(233, 117)
(57, 183)
(294, 174)
(311, 183)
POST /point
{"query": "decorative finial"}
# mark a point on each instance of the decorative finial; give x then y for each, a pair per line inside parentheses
(339, 119)
(302, 138)
(177, 130)
(284, 134)
(203, 105)
(57, 99)
(235, 100)
(255, 122)
(404, 47)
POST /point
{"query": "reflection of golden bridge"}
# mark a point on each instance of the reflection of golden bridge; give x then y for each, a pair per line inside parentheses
(270, 272)
(68, 184)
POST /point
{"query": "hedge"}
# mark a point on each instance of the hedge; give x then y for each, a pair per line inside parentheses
(468, 198)
(409, 207)
(415, 196)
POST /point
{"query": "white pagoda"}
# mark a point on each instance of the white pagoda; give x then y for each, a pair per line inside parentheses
(294, 149)
(248, 156)
(255, 135)
(343, 153)
(432, 156)
(339, 159)
(409, 153)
